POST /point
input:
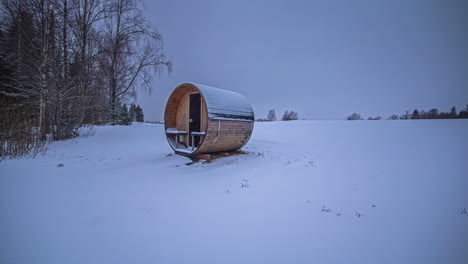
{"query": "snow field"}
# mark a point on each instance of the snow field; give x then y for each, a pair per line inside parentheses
(305, 192)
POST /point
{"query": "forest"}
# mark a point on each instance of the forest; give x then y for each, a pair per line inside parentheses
(66, 64)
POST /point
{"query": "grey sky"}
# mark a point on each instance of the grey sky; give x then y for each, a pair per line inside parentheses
(323, 59)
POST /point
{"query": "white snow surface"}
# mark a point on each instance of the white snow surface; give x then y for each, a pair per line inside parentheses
(306, 192)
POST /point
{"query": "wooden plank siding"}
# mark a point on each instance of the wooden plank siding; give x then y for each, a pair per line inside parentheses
(232, 135)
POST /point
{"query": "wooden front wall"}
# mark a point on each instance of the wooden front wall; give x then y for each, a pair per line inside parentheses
(183, 115)
(177, 109)
(172, 106)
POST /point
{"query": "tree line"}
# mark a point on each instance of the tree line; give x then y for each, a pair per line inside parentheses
(287, 116)
(68, 63)
(416, 114)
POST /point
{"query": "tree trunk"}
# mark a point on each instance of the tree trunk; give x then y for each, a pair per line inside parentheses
(43, 72)
(115, 52)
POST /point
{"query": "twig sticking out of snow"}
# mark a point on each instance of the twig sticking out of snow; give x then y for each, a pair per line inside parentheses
(245, 184)
(463, 210)
(326, 210)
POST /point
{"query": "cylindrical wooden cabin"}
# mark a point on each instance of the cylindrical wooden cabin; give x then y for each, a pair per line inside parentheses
(202, 119)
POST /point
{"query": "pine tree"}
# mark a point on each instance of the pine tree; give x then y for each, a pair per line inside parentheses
(124, 117)
(132, 112)
(433, 113)
(415, 114)
(139, 116)
(453, 113)
(463, 113)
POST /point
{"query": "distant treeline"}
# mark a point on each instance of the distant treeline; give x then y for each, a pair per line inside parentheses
(287, 116)
(416, 114)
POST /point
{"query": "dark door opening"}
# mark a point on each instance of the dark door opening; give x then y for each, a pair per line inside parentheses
(194, 117)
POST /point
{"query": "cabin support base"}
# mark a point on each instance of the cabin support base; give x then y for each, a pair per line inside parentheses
(206, 157)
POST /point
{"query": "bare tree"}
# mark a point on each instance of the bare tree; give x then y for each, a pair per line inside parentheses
(24, 46)
(131, 50)
(271, 115)
(354, 116)
(287, 116)
(87, 17)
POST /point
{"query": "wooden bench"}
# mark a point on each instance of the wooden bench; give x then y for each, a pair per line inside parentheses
(196, 134)
(176, 133)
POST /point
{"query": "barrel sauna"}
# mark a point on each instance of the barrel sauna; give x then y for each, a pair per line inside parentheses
(200, 119)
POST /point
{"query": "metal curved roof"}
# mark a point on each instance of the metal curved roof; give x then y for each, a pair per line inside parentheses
(224, 104)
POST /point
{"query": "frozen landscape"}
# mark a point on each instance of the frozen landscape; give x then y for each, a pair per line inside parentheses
(305, 192)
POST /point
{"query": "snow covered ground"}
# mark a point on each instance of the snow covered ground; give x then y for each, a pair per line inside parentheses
(313, 192)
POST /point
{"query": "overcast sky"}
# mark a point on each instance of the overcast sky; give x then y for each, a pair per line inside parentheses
(323, 59)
